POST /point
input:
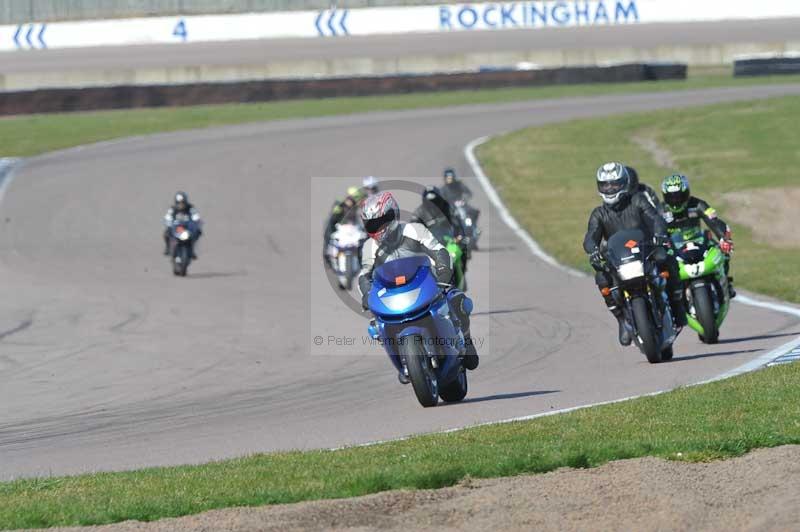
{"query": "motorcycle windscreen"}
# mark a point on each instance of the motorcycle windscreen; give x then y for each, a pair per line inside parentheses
(624, 245)
(403, 287)
(691, 250)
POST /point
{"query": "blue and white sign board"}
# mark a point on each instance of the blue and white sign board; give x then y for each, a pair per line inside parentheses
(334, 23)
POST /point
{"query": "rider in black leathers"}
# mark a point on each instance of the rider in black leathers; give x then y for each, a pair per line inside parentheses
(684, 213)
(437, 215)
(454, 189)
(642, 188)
(621, 210)
(182, 207)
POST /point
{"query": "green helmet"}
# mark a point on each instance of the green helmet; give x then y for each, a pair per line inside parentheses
(676, 192)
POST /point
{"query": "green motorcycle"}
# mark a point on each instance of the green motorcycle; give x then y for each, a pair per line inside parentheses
(457, 254)
(702, 271)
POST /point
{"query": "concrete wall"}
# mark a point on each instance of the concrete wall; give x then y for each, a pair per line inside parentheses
(700, 55)
(20, 11)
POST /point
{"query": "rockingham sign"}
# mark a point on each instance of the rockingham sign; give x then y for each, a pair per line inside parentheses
(337, 23)
(537, 14)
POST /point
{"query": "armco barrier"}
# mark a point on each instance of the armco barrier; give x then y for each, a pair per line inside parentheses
(768, 66)
(128, 97)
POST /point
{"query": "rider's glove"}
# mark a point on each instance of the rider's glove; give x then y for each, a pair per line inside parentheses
(661, 241)
(365, 300)
(596, 259)
(726, 245)
(444, 274)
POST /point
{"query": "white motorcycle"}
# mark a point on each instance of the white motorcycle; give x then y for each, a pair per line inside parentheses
(345, 253)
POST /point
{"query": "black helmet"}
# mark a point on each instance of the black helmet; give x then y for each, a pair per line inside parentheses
(434, 196)
(450, 175)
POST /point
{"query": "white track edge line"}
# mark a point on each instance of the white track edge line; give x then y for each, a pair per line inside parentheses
(505, 215)
(7, 168)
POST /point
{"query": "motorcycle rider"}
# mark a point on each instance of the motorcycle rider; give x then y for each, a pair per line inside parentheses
(643, 188)
(455, 191)
(623, 209)
(437, 215)
(391, 239)
(181, 207)
(344, 211)
(684, 212)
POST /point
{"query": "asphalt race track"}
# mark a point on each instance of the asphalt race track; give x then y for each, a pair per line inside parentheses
(259, 52)
(108, 362)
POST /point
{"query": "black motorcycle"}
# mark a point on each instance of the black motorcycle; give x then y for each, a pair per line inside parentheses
(641, 292)
(183, 233)
(469, 220)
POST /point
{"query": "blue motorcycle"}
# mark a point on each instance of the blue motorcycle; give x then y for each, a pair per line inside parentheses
(414, 324)
(183, 233)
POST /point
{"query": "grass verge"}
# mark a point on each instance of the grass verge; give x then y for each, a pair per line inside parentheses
(546, 174)
(719, 420)
(24, 136)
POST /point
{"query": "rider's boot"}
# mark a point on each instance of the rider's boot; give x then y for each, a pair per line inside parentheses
(166, 244)
(731, 289)
(625, 338)
(678, 309)
(471, 359)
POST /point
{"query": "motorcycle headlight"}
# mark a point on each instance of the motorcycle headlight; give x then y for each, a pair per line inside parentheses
(631, 270)
(468, 222)
(184, 236)
(402, 301)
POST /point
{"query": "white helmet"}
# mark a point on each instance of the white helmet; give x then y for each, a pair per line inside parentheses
(613, 182)
(370, 185)
(380, 214)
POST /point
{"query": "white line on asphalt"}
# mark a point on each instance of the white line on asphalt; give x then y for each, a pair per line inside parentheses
(7, 167)
(534, 246)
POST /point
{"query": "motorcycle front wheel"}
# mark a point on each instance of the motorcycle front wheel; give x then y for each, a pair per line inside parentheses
(704, 309)
(420, 371)
(646, 330)
(457, 390)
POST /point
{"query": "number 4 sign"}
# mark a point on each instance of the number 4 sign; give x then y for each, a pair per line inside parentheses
(180, 30)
